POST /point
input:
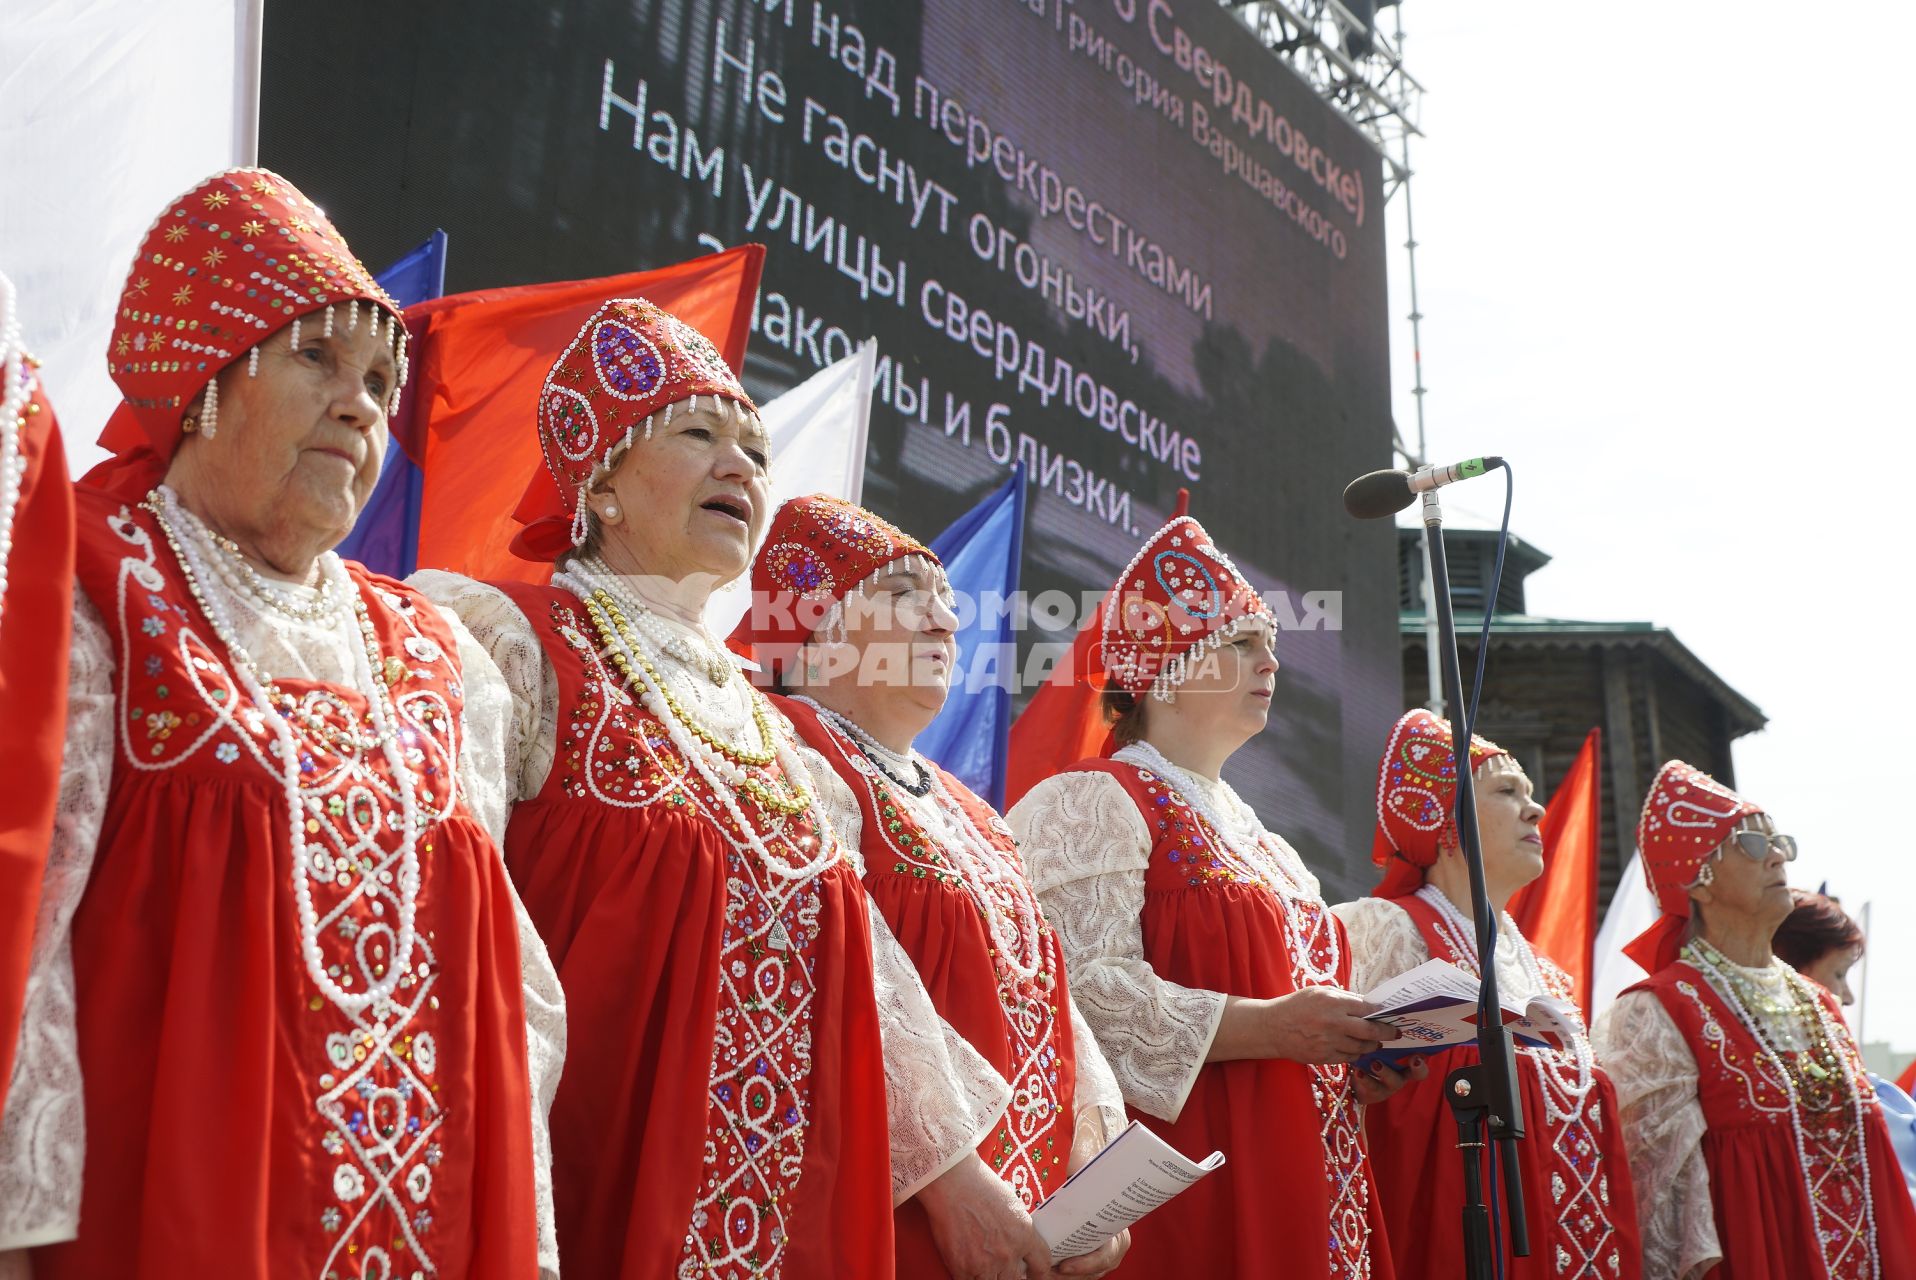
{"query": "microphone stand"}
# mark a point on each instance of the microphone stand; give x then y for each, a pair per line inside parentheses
(1483, 1097)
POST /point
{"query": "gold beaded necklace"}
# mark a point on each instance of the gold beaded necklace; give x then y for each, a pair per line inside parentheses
(1813, 1070)
(617, 642)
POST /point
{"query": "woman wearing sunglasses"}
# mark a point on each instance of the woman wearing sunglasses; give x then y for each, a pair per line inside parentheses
(1757, 1146)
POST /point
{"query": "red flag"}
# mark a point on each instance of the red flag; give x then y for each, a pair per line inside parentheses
(1064, 721)
(478, 362)
(1558, 913)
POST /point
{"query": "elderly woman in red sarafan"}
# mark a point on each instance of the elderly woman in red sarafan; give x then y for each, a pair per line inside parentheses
(855, 617)
(1199, 948)
(1757, 1143)
(1582, 1217)
(287, 1019)
(756, 1073)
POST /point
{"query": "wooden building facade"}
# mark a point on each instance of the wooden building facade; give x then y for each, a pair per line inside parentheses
(1549, 681)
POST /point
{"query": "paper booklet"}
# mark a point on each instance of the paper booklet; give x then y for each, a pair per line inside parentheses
(1135, 1173)
(1434, 1006)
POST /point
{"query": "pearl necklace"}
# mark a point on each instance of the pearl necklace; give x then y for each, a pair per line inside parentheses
(1460, 934)
(723, 776)
(367, 664)
(1812, 1068)
(170, 516)
(979, 862)
(883, 758)
(16, 390)
(709, 658)
(238, 572)
(1260, 856)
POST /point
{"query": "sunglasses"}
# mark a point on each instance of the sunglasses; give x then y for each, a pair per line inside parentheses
(1756, 845)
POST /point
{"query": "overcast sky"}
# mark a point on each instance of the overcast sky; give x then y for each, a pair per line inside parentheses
(1666, 268)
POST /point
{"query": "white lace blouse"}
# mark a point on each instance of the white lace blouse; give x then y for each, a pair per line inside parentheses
(942, 1096)
(1655, 1075)
(42, 1134)
(1086, 847)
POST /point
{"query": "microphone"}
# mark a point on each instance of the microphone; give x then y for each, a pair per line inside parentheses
(1384, 493)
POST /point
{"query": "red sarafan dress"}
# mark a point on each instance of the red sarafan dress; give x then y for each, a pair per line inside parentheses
(945, 874)
(722, 1111)
(1797, 1170)
(1209, 917)
(1579, 1205)
(36, 605)
(301, 1035)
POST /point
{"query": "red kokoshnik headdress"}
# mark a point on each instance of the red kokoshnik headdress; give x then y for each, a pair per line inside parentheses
(235, 259)
(1178, 599)
(630, 360)
(1417, 798)
(818, 550)
(1686, 817)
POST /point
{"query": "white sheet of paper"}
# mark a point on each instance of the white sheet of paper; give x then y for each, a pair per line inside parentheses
(1134, 1174)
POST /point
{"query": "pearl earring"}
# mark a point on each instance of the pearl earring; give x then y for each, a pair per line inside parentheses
(611, 512)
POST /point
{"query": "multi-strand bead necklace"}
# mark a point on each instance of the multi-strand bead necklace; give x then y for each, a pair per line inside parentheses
(283, 713)
(990, 876)
(726, 768)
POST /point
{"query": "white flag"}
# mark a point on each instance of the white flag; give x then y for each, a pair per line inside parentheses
(1632, 910)
(113, 107)
(818, 431)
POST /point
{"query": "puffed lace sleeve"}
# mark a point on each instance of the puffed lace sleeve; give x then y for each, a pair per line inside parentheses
(1655, 1077)
(942, 1097)
(1384, 941)
(1086, 846)
(509, 640)
(1098, 1102)
(484, 777)
(43, 1133)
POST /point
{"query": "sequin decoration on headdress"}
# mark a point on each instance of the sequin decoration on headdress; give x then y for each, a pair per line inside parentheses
(1178, 599)
(1686, 817)
(1417, 798)
(817, 551)
(630, 361)
(233, 260)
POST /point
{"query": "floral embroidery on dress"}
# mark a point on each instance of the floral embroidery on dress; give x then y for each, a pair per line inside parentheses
(1204, 855)
(1826, 1111)
(1023, 1149)
(615, 751)
(374, 1111)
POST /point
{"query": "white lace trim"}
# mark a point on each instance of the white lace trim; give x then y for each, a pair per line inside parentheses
(943, 1097)
(1655, 1074)
(1086, 848)
(43, 1134)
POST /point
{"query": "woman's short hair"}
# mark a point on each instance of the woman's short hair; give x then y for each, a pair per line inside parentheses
(1818, 926)
(1125, 712)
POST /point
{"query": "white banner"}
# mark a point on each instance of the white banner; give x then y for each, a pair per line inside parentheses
(108, 108)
